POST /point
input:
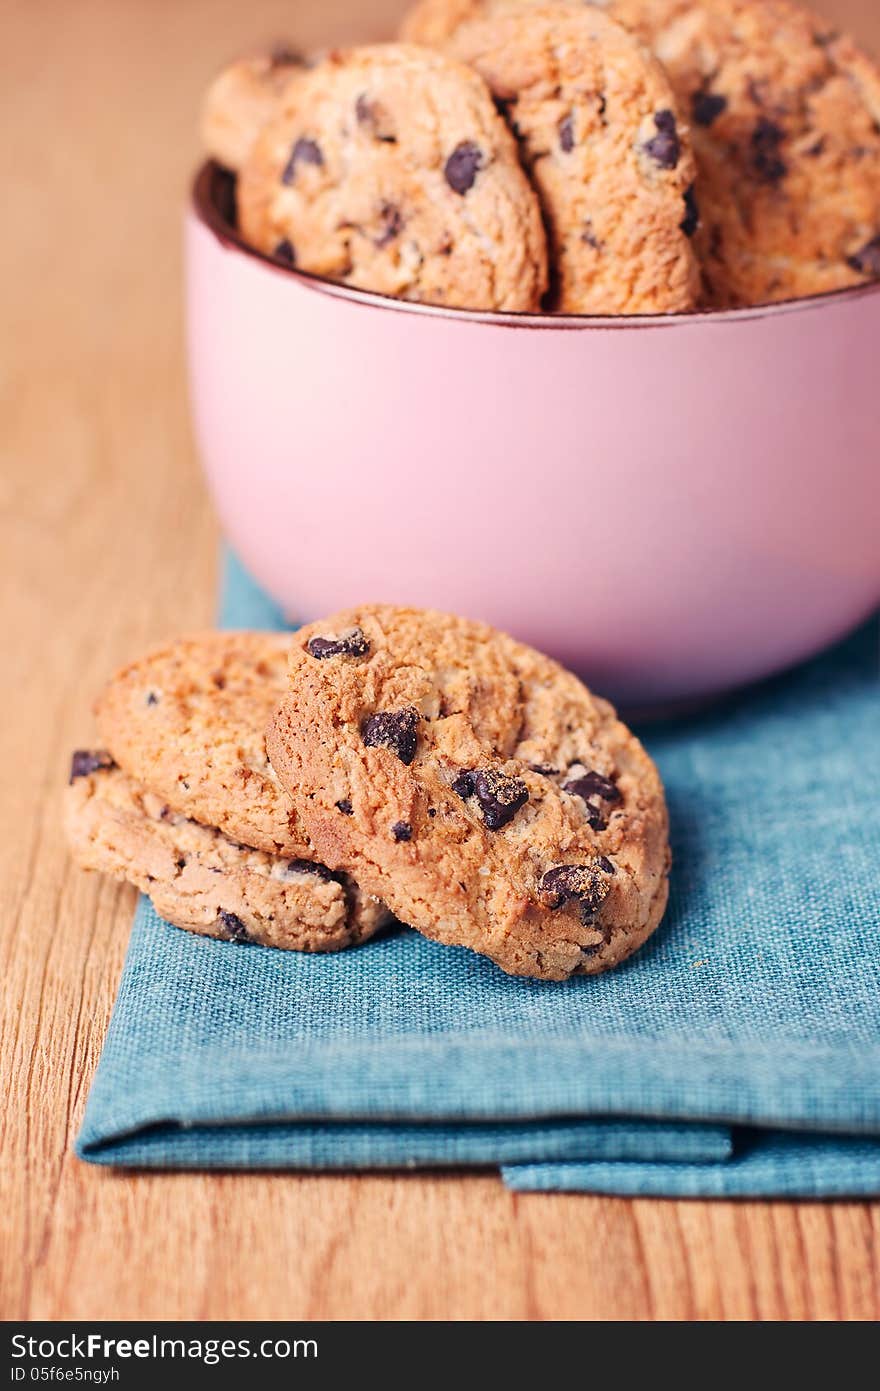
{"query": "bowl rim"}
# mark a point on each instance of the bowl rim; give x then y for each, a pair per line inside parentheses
(204, 207)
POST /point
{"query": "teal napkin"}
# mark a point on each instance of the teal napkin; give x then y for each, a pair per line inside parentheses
(737, 1053)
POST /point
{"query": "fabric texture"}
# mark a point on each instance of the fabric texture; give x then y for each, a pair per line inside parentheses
(737, 1053)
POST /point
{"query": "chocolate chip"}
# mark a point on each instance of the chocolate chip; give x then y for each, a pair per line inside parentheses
(464, 785)
(867, 261)
(345, 807)
(664, 148)
(375, 118)
(593, 784)
(462, 165)
(312, 867)
(766, 160)
(152, 698)
(596, 818)
(583, 884)
(86, 761)
(304, 152)
(350, 644)
(691, 220)
(392, 224)
(180, 864)
(566, 133)
(545, 769)
(499, 796)
(589, 236)
(567, 881)
(401, 830)
(283, 56)
(396, 730)
(234, 929)
(284, 252)
(593, 789)
(707, 107)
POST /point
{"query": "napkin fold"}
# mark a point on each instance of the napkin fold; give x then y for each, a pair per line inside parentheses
(737, 1053)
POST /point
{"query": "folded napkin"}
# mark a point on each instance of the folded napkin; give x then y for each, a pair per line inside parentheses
(737, 1053)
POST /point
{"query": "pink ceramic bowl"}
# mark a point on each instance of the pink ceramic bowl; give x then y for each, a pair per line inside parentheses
(672, 506)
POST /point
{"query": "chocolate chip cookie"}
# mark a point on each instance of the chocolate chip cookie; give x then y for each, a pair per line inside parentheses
(786, 127)
(388, 168)
(476, 786)
(239, 102)
(785, 124)
(602, 138)
(188, 721)
(200, 880)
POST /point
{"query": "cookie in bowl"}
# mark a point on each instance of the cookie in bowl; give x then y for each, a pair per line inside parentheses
(239, 102)
(388, 168)
(604, 143)
(784, 113)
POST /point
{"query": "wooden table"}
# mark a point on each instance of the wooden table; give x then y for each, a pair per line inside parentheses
(108, 542)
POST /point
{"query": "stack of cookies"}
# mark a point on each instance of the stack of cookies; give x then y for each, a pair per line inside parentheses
(303, 791)
(620, 157)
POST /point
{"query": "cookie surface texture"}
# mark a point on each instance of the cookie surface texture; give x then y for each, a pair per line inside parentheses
(785, 116)
(188, 722)
(239, 102)
(477, 787)
(200, 880)
(388, 168)
(604, 143)
(784, 113)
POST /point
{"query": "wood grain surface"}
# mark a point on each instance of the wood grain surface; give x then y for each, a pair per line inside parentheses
(108, 542)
